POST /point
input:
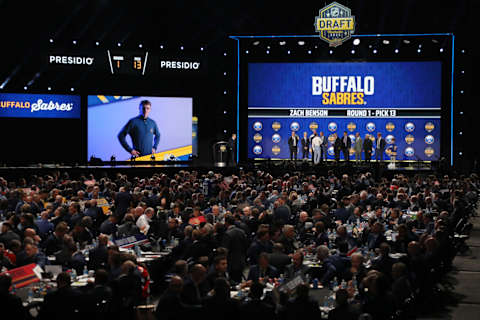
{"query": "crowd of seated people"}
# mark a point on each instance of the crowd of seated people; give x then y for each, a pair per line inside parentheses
(390, 242)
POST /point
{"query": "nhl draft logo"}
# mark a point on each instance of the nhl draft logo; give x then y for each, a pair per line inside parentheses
(351, 126)
(276, 150)
(390, 126)
(257, 150)
(429, 151)
(294, 126)
(276, 138)
(313, 126)
(409, 139)
(429, 139)
(370, 127)
(257, 126)
(332, 126)
(409, 152)
(409, 127)
(276, 126)
(335, 24)
(257, 138)
(429, 127)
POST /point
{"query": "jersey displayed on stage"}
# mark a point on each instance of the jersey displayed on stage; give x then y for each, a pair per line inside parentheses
(400, 100)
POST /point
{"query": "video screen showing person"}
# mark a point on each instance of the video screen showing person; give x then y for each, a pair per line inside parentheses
(140, 128)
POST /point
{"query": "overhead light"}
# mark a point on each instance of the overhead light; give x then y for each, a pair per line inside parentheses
(301, 43)
(225, 73)
(49, 88)
(460, 153)
(256, 43)
(385, 41)
(25, 88)
(224, 92)
(331, 51)
(246, 51)
(353, 51)
(74, 41)
(441, 49)
(140, 45)
(460, 133)
(181, 48)
(119, 44)
(420, 45)
(268, 52)
(282, 43)
(463, 51)
(309, 51)
(434, 40)
(51, 40)
(396, 50)
(356, 42)
(288, 52)
(419, 50)
(374, 51)
(97, 43)
(225, 54)
(406, 41)
(72, 89)
(201, 48)
(161, 46)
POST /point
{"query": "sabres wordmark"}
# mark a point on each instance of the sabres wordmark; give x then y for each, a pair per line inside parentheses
(341, 90)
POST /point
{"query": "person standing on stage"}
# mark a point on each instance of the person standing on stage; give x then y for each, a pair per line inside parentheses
(314, 133)
(232, 148)
(316, 145)
(358, 147)
(323, 147)
(142, 130)
(305, 145)
(367, 147)
(379, 147)
(346, 144)
(393, 152)
(293, 144)
(337, 147)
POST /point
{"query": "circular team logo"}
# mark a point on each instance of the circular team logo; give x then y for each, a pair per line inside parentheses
(257, 126)
(409, 139)
(370, 127)
(409, 152)
(409, 127)
(276, 138)
(313, 126)
(330, 151)
(351, 126)
(276, 126)
(429, 151)
(429, 139)
(389, 139)
(429, 127)
(294, 126)
(352, 138)
(276, 149)
(332, 126)
(390, 126)
(257, 150)
(351, 151)
(257, 137)
(331, 138)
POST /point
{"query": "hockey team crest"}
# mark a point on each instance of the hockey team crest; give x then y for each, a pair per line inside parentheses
(335, 24)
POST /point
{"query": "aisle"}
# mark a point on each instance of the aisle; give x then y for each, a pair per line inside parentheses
(464, 299)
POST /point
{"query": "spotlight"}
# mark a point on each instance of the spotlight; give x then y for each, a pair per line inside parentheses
(74, 41)
(224, 92)
(316, 47)
(434, 40)
(356, 42)
(201, 48)
(375, 51)
(463, 71)
(288, 52)
(370, 46)
(246, 51)
(441, 49)
(268, 47)
(181, 48)
(406, 41)
(385, 41)
(256, 43)
(460, 153)
(396, 50)
(461, 112)
(224, 111)
(463, 51)
(420, 45)
(97, 43)
(309, 51)
(161, 46)
(353, 51)
(301, 43)
(119, 44)
(49, 88)
(282, 43)
(225, 73)
(461, 91)
(25, 88)
(460, 133)
(72, 89)
(224, 131)
(51, 40)
(419, 50)
(225, 54)
(331, 51)
(268, 52)
(140, 45)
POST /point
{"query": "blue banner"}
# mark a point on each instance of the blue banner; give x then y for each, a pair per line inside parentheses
(25, 105)
(345, 84)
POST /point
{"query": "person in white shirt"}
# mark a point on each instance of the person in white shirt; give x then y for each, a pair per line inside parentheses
(143, 222)
(316, 144)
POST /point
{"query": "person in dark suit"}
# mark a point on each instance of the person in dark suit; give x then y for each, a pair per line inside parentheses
(375, 236)
(296, 268)
(305, 146)
(195, 287)
(367, 148)
(123, 200)
(323, 146)
(170, 305)
(127, 291)
(379, 147)
(293, 145)
(262, 270)
(278, 258)
(235, 240)
(98, 257)
(232, 149)
(337, 147)
(346, 144)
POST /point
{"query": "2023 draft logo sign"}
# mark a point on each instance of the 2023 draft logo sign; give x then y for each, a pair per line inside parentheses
(335, 24)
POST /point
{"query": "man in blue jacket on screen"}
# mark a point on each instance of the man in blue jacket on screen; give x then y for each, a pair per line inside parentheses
(141, 129)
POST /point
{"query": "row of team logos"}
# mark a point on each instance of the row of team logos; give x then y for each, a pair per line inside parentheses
(332, 126)
(389, 139)
(409, 151)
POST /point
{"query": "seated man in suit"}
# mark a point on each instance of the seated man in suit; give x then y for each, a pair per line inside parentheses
(262, 270)
(296, 268)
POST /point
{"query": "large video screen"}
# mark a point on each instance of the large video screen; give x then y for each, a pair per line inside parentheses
(27, 105)
(401, 100)
(118, 126)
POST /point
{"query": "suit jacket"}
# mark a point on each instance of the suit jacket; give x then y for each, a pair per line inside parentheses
(235, 240)
(279, 261)
(291, 140)
(292, 272)
(348, 144)
(305, 143)
(98, 258)
(358, 144)
(382, 143)
(337, 145)
(255, 272)
(367, 145)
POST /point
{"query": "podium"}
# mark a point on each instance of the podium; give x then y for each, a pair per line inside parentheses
(220, 154)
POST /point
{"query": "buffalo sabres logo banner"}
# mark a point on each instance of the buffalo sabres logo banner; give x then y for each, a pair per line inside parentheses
(335, 24)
